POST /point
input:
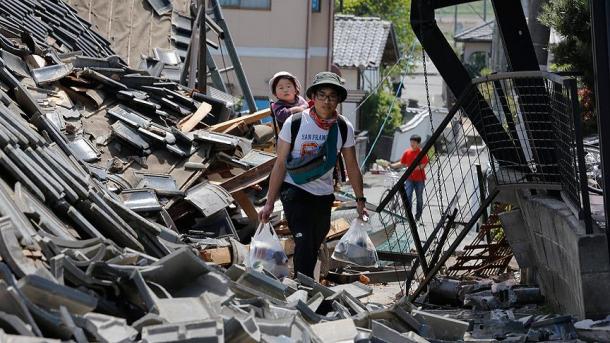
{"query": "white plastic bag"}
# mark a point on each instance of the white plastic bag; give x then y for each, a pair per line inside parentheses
(267, 251)
(356, 247)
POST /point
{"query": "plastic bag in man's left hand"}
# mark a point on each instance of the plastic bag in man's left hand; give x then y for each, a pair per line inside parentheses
(267, 251)
(356, 247)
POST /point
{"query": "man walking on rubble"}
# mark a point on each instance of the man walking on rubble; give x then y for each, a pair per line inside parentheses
(417, 179)
(302, 176)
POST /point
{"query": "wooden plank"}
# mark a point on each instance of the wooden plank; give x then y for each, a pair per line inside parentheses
(188, 123)
(337, 229)
(244, 202)
(249, 178)
(221, 256)
(247, 119)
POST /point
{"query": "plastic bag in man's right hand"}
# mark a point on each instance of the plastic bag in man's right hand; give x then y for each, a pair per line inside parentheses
(356, 247)
(266, 251)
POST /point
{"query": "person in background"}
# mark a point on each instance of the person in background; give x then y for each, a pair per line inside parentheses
(286, 88)
(308, 205)
(417, 179)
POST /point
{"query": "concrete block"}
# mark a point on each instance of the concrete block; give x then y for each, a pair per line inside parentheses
(595, 288)
(109, 329)
(443, 327)
(356, 289)
(342, 330)
(406, 317)
(298, 295)
(280, 312)
(263, 283)
(593, 253)
(6, 338)
(341, 310)
(174, 310)
(48, 294)
(179, 269)
(241, 330)
(383, 334)
(206, 331)
(148, 320)
(412, 337)
(593, 331)
(235, 271)
(315, 301)
(276, 327)
(309, 282)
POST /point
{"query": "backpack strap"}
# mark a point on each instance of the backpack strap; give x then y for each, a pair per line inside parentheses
(341, 164)
(342, 129)
(295, 125)
(275, 123)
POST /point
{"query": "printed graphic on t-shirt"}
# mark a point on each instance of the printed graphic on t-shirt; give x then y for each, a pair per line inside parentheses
(309, 149)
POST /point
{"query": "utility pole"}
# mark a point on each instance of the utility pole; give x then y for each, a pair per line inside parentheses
(202, 72)
(485, 10)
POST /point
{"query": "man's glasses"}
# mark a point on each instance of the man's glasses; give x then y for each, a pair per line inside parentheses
(324, 97)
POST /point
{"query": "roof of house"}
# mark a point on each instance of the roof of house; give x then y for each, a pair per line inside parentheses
(363, 42)
(481, 33)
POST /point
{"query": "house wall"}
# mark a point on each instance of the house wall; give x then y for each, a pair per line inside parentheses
(275, 40)
(470, 48)
(349, 109)
(419, 125)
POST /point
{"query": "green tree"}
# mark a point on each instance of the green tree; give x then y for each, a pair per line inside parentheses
(375, 110)
(572, 20)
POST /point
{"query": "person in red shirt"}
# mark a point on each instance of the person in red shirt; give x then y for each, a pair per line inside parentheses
(417, 179)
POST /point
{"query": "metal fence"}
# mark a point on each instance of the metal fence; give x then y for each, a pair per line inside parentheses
(525, 127)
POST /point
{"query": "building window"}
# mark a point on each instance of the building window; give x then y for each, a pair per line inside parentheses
(315, 5)
(247, 4)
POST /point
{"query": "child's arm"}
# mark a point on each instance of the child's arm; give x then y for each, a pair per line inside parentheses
(281, 112)
(297, 109)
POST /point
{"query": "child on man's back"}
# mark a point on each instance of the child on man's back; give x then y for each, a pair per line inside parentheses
(286, 88)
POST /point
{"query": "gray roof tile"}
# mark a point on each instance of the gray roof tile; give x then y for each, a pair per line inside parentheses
(481, 33)
(360, 41)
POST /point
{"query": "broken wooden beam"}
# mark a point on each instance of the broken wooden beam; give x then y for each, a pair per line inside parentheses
(247, 119)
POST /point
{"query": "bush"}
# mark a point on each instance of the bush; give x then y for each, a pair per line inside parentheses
(375, 110)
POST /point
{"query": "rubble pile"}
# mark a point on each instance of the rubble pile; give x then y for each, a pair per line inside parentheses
(114, 182)
(500, 309)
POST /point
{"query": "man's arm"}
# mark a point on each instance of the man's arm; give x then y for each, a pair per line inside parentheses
(396, 165)
(275, 180)
(355, 176)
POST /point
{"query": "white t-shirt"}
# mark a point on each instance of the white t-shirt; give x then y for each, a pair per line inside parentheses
(309, 139)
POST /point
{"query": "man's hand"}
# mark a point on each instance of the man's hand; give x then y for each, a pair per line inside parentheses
(360, 205)
(265, 213)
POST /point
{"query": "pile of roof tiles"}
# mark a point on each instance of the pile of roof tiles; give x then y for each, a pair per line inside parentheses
(84, 259)
(50, 23)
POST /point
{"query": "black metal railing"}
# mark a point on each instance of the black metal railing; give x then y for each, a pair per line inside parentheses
(525, 126)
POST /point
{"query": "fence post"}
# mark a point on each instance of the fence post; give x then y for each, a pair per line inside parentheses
(580, 156)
